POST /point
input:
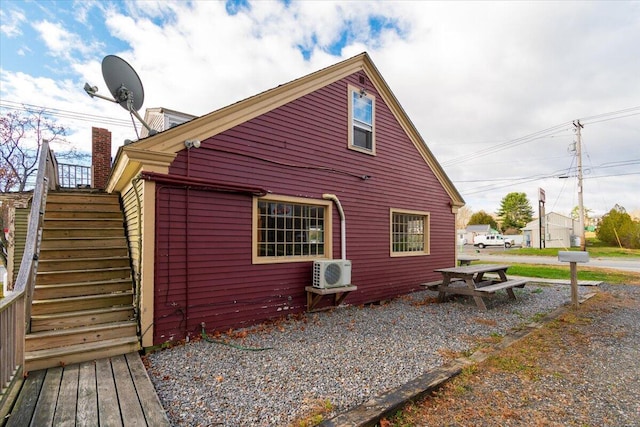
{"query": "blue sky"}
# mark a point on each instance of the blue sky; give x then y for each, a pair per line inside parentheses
(481, 81)
(25, 49)
(33, 30)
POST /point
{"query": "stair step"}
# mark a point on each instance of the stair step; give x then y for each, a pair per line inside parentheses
(71, 319)
(59, 206)
(66, 290)
(67, 253)
(55, 216)
(89, 302)
(83, 298)
(80, 335)
(76, 196)
(77, 276)
(86, 242)
(49, 265)
(82, 223)
(43, 359)
(66, 233)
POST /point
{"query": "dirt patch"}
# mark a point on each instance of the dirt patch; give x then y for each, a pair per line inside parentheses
(580, 369)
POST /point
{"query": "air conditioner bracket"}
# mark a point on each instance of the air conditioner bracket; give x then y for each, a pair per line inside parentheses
(315, 295)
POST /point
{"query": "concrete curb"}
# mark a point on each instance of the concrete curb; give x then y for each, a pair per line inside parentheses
(371, 412)
(558, 281)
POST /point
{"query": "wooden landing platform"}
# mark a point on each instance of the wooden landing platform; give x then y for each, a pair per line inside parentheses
(107, 392)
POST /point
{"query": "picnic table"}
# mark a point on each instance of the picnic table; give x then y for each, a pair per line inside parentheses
(470, 280)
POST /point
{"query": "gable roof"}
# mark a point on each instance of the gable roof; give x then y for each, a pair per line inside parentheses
(156, 152)
(478, 228)
(534, 224)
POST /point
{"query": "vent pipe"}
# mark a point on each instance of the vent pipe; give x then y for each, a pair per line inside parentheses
(343, 224)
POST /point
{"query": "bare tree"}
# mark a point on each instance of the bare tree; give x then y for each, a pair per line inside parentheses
(463, 217)
(21, 136)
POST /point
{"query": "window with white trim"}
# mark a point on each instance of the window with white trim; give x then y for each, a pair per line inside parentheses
(291, 229)
(409, 233)
(361, 120)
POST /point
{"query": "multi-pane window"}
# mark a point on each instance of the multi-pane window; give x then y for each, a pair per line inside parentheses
(362, 110)
(409, 233)
(288, 229)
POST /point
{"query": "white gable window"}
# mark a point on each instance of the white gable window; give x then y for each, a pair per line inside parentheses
(361, 120)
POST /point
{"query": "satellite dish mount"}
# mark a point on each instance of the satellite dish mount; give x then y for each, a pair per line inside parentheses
(124, 85)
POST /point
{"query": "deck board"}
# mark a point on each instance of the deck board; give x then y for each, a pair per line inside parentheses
(65, 414)
(27, 400)
(46, 407)
(114, 391)
(146, 393)
(87, 408)
(130, 408)
(107, 395)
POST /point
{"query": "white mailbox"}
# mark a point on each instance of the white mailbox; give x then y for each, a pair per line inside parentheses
(573, 256)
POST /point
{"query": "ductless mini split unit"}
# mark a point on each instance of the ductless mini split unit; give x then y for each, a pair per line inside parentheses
(331, 273)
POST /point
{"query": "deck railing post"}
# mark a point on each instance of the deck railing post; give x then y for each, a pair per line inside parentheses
(15, 307)
(73, 176)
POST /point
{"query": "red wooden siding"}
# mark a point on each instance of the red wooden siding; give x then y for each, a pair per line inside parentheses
(204, 271)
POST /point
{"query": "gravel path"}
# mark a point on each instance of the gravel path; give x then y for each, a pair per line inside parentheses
(336, 359)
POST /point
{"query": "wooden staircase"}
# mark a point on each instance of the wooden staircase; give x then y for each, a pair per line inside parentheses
(83, 299)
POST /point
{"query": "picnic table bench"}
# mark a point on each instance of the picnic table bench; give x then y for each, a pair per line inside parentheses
(470, 280)
(466, 260)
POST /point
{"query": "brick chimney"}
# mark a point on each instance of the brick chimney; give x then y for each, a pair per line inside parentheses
(100, 157)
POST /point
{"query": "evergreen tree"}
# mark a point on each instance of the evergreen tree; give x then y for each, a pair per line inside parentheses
(515, 211)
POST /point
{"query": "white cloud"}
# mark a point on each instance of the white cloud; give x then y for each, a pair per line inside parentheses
(63, 43)
(470, 75)
(12, 20)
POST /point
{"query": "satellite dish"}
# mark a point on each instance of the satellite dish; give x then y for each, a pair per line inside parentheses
(123, 82)
(124, 85)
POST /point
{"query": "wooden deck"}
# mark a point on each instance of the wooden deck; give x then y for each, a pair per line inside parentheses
(107, 392)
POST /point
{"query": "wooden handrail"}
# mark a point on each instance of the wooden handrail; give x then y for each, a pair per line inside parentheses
(15, 307)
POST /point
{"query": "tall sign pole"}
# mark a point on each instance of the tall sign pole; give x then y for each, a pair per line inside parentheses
(542, 229)
(578, 126)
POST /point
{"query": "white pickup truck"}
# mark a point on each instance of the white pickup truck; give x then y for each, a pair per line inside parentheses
(492, 240)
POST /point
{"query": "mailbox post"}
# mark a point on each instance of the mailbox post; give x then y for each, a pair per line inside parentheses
(574, 257)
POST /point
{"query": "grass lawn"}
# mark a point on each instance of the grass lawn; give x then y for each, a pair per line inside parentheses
(594, 252)
(595, 247)
(584, 273)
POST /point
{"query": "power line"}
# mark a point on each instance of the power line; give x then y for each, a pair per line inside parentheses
(564, 184)
(613, 118)
(561, 173)
(513, 181)
(612, 175)
(545, 133)
(612, 113)
(66, 114)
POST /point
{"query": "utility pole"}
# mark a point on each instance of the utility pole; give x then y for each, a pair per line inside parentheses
(578, 126)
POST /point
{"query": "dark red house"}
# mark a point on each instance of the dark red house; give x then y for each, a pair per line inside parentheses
(227, 212)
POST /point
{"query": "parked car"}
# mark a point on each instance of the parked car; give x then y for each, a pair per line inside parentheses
(492, 240)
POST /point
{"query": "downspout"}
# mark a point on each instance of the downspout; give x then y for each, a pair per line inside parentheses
(138, 275)
(186, 286)
(343, 224)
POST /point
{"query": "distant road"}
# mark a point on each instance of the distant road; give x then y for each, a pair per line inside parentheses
(623, 264)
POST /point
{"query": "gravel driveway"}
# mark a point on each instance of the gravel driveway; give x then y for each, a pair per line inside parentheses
(334, 360)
